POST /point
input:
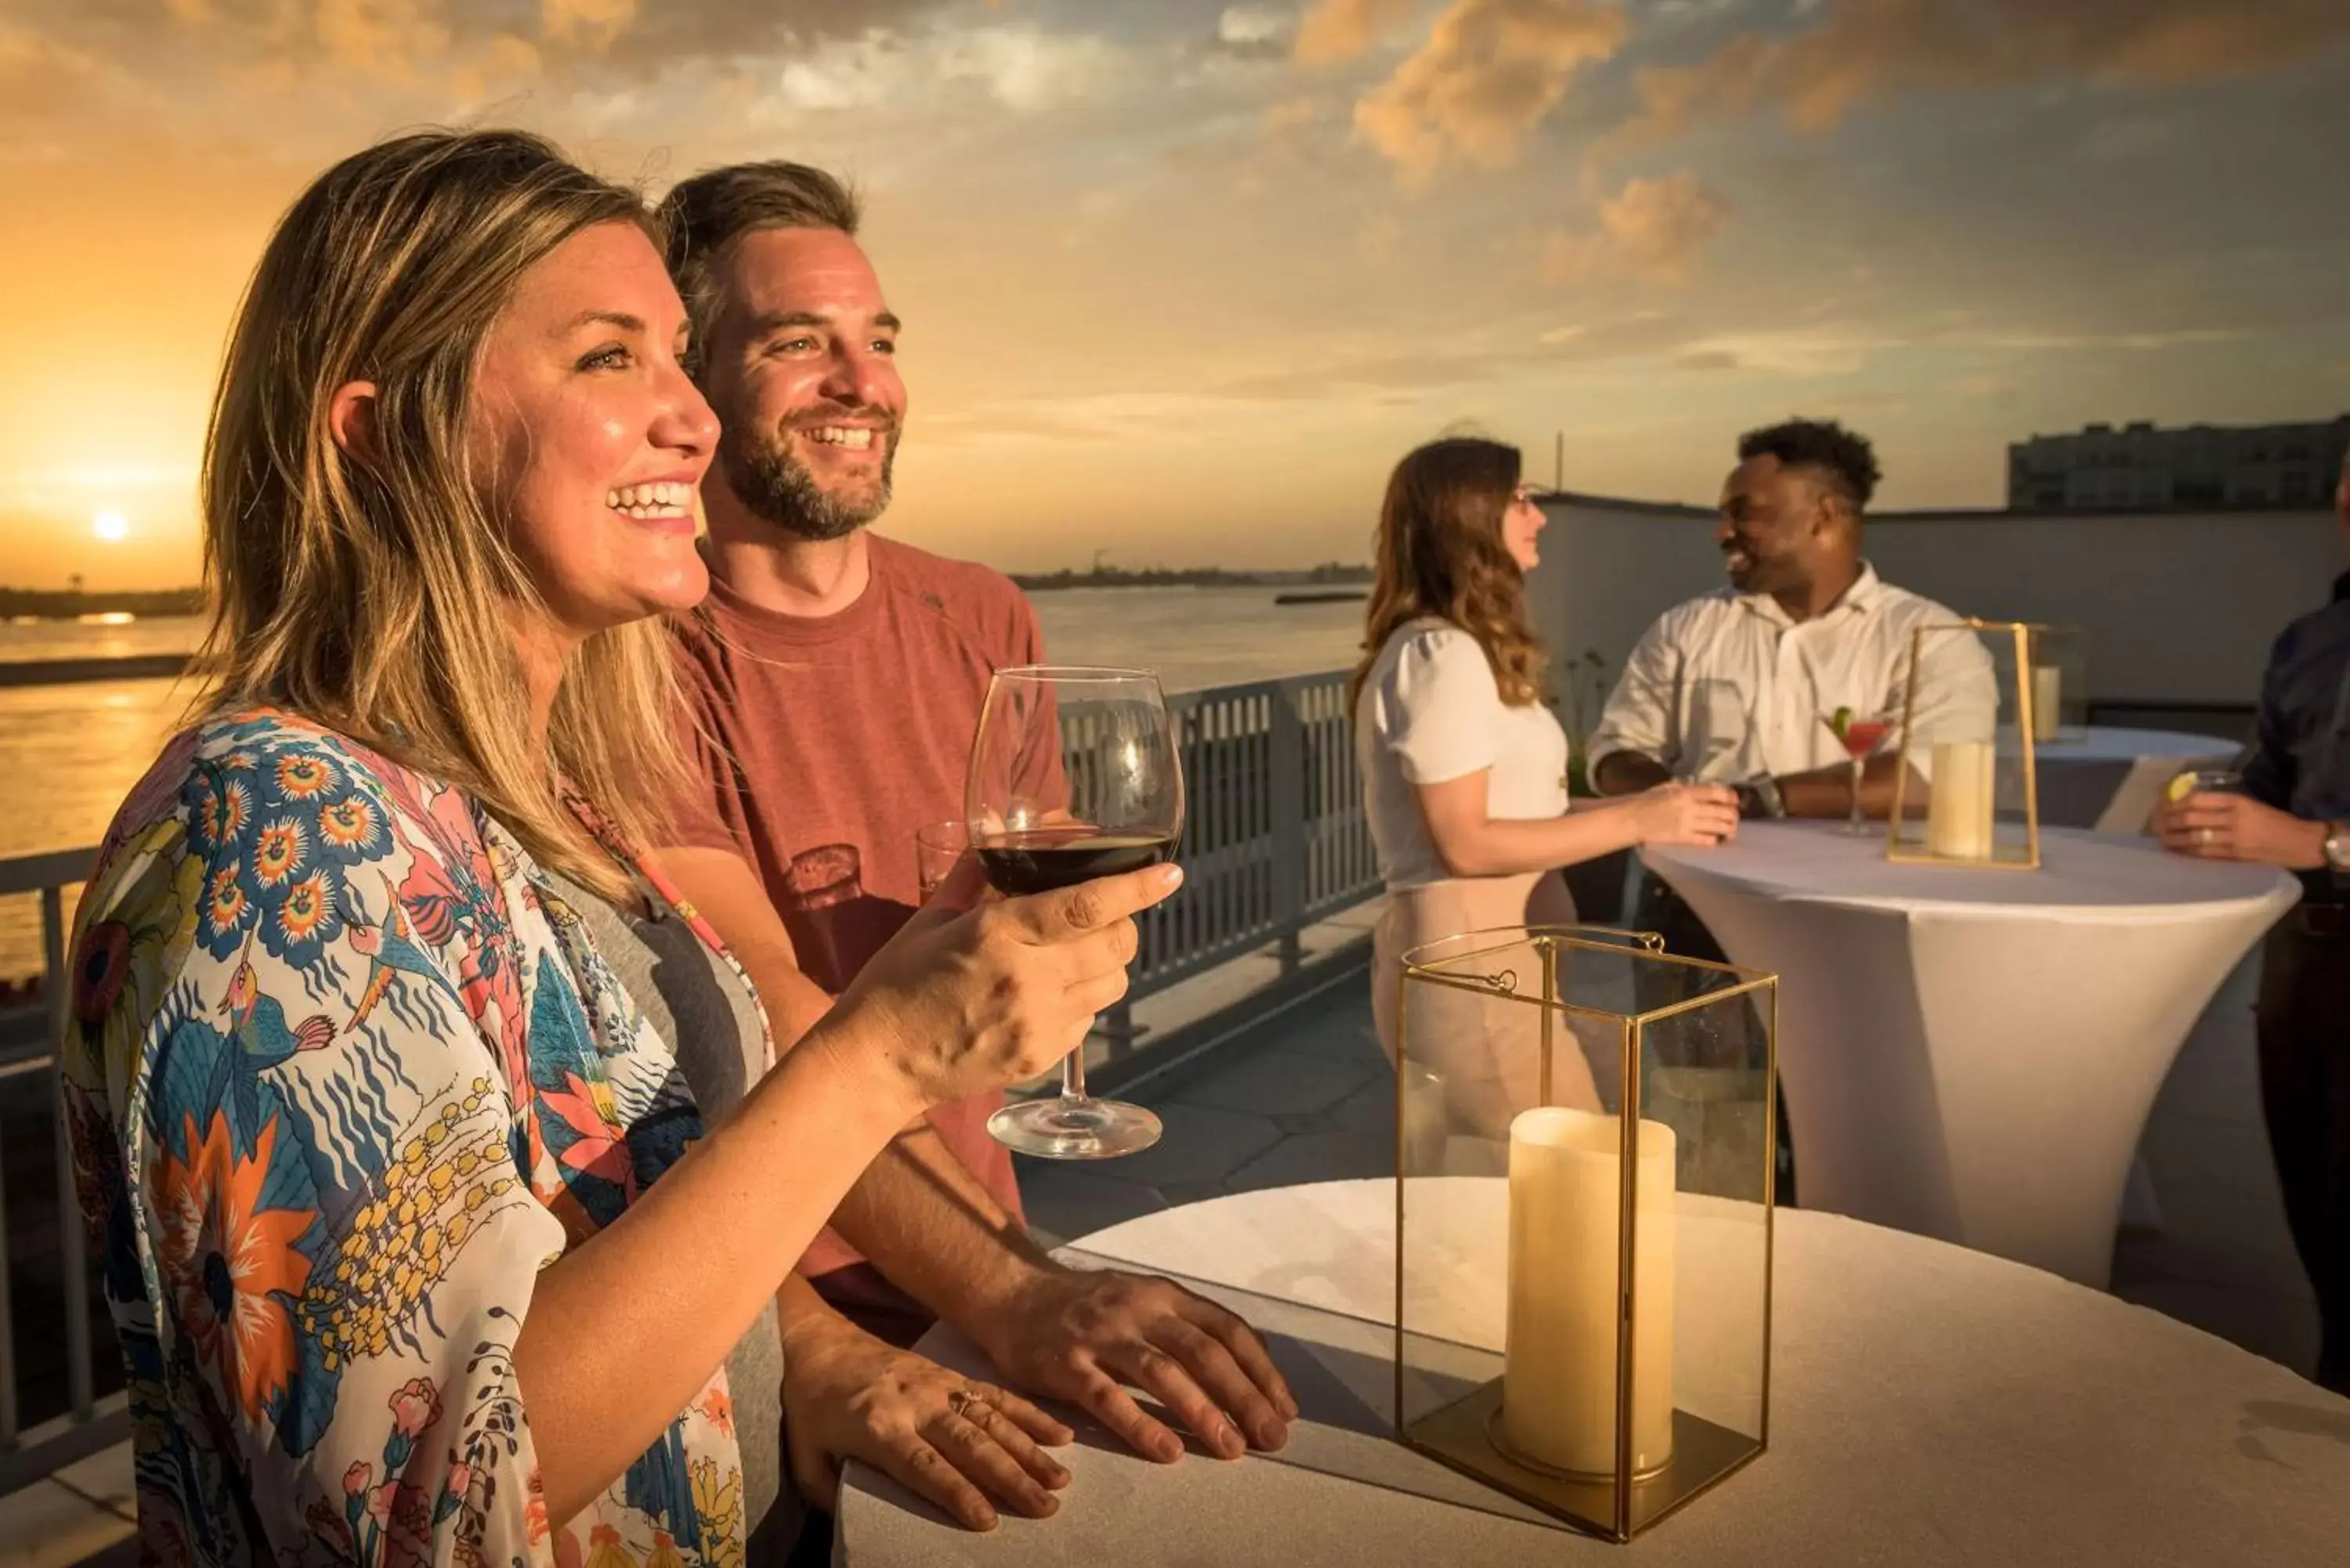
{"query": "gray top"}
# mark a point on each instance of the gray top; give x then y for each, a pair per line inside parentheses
(710, 1020)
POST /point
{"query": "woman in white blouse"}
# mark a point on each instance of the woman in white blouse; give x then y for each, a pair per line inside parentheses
(1464, 768)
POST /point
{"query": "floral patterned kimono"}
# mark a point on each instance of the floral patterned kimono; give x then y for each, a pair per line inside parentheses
(339, 1085)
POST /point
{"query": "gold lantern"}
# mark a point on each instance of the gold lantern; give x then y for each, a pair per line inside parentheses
(1965, 793)
(1585, 1153)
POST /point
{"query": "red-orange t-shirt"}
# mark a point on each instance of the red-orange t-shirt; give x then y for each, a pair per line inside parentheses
(843, 735)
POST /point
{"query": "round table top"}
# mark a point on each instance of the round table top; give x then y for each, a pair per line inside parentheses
(2114, 742)
(2079, 872)
(1929, 1406)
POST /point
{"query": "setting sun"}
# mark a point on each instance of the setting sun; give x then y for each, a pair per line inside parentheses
(110, 526)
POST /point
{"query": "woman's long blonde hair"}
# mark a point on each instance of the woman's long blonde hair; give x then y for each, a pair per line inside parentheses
(382, 597)
(1439, 553)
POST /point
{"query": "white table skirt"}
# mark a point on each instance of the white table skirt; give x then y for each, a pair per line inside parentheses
(2109, 778)
(1970, 1055)
(1929, 1406)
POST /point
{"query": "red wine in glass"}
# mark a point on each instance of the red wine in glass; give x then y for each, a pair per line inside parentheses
(1045, 858)
(1074, 775)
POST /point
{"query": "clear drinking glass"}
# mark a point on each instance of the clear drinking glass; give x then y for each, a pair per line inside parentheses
(1074, 775)
(938, 846)
(1860, 737)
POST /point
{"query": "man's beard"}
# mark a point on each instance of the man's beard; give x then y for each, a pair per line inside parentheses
(776, 486)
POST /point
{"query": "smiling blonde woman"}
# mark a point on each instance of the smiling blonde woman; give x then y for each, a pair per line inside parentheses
(348, 1084)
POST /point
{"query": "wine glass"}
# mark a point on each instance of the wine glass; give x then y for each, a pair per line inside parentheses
(1860, 737)
(1074, 775)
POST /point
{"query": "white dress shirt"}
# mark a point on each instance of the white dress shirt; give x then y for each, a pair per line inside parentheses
(1727, 686)
(1430, 710)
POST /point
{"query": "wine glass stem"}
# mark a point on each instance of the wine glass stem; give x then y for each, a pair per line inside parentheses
(1857, 766)
(1073, 1075)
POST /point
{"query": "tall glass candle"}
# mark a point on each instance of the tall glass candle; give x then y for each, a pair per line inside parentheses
(1558, 1379)
(1958, 811)
(2047, 701)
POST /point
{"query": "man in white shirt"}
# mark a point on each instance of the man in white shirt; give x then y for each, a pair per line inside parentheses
(1737, 686)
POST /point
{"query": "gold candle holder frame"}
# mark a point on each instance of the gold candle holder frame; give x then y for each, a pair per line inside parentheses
(1980, 757)
(1562, 1014)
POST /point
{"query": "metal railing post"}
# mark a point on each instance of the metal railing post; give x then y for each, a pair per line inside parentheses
(73, 1240)
(1286, 781)
(8, 1419)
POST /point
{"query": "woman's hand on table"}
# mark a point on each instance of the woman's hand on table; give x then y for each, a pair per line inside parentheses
(2211, 826)
(1698, 814)
(1082, 1334)
(849, 1396)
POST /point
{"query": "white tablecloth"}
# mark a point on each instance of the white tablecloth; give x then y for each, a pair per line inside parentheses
(1929, 1406)
(1971, 1054)
(2109, 778)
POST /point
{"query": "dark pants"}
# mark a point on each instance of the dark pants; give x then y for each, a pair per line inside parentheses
(2304, 1052)
(1660, 909)
(814, 1548)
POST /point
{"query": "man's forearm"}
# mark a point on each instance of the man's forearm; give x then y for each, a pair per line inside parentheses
(1827, 792)
(1628, 772)
(928, 1225)
(916, 1212)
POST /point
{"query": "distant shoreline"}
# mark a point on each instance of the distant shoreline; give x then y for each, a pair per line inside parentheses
(66, 605)
(1331, 572)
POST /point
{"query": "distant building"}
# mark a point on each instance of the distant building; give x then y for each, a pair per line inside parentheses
(2139, 468)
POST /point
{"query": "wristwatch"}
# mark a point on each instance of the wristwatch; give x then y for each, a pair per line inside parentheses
(2337, 848)
(1759, 797)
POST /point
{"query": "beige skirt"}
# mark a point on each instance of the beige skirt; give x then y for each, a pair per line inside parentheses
(1484, 1057)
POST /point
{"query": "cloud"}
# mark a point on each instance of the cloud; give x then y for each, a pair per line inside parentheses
(439, 42)
(2134, 342)
(1025, 69)
(590, 24)
(1252, 32)
(1336, 30)
(1858, 52)
(40, 78)
(1489, 72)
(1653, 229)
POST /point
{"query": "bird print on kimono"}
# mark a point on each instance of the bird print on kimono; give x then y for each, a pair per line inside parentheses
(392, 951)
(263, 1038)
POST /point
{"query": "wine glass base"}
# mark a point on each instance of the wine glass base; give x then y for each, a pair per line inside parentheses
(1862, 829)
(1074, 1129)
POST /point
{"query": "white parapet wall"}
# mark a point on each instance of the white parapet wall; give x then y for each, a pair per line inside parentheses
(2181, 607)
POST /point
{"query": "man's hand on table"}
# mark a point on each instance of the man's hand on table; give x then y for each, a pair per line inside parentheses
(849, 1396)
(1079, 1335)
(2216, 827)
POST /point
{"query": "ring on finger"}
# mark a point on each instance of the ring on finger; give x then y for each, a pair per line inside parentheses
(2203, 836)
(964, 1401)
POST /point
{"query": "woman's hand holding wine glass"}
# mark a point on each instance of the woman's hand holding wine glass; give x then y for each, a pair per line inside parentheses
(974, 993)
(1074, 775)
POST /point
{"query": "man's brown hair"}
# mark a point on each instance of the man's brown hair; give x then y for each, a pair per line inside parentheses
(706, 214)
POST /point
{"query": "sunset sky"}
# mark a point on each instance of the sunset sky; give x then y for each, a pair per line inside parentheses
(1182, 280)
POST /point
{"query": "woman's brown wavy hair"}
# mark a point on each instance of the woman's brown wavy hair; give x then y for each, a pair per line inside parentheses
(1439, 553)
(380, 599)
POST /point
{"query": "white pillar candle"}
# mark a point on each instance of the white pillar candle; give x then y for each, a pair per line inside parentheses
(1958, 810)
(1558, 1378)
(2047, 701)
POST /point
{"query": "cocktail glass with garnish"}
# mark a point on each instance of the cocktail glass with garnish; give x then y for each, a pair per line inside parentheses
(1860, 737)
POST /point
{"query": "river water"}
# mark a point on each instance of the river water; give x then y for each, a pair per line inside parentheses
(68, 753)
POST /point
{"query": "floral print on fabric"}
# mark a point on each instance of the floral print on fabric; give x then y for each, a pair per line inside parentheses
(336, 1088)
